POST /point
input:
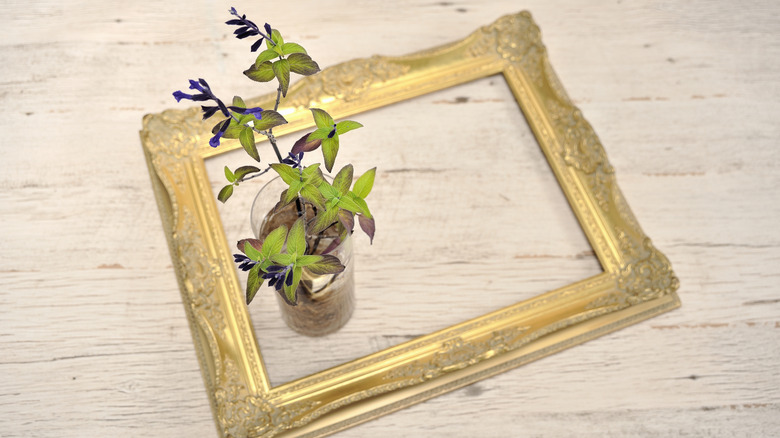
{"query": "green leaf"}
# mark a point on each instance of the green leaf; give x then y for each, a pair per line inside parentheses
(255, 243)
(229, 175)
(247, 139)
(296, 240)
(253, 283)
(306, 260)
(291, 48)
(225, 193)
(348, 203)
(319, 134)
(330, 148)
(302, 64)
(292, 192)
(239, 102)
(265, 55)
(243, 171)
(292, 290)
(282, 72)
(323, 220)
(265, 264)
(327, 190)
(346, 126)
(277, 37)
(343, 180)
(268, 120)
(328, 265)
(283, 259)
(291, 299)
(361, 203)
(288, 174)
(274, 242)
(365, 183)
(322, 119)
(252, 252)
(313, 174)
(260, 73)
(310, 193)
(235, 127)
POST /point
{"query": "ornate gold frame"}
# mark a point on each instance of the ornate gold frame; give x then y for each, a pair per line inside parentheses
(637, 282)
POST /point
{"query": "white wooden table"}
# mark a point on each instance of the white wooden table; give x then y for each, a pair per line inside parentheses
(684, 96)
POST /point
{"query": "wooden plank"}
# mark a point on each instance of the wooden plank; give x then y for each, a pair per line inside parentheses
(684, 97)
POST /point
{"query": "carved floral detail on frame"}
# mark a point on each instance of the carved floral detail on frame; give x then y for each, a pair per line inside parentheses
(345, 81)
(241, 414)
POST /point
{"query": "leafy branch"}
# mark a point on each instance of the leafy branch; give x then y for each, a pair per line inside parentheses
(283, 254)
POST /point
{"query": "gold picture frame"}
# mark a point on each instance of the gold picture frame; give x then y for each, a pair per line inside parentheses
(637, 280)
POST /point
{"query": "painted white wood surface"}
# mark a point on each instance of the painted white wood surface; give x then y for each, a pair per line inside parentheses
(684, 96)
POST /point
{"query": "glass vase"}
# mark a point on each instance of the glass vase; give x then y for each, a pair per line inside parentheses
(325, 302)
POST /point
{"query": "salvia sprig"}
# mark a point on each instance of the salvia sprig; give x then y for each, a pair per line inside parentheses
(283, 254)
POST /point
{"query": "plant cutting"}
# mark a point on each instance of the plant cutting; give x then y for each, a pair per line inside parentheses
(304, 245)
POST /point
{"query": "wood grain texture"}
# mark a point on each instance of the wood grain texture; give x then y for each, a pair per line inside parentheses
(684, 96)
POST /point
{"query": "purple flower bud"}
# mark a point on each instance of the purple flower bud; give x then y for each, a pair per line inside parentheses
(245, 263)
(214, 142)
(256, 45)
(208, 111)
(194, 85)
(254, 111)
(179, 95)
(289, 280)
(268, 29)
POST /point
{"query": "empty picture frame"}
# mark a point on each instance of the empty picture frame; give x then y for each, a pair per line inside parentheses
(637, 281)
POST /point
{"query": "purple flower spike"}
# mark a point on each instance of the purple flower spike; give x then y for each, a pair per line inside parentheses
(204, 94)
(246, 28)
